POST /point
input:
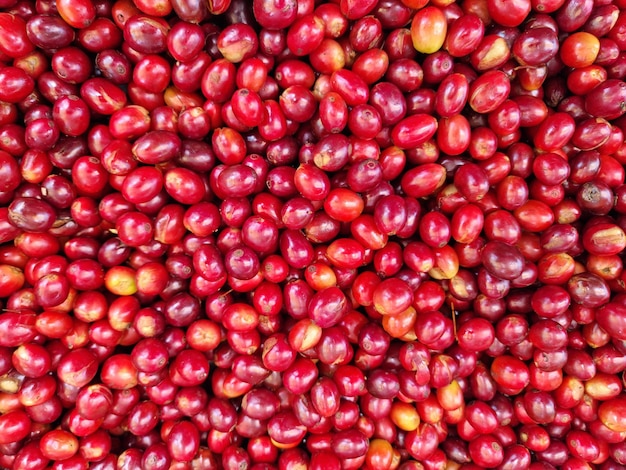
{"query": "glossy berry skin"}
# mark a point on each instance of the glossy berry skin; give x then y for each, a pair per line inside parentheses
(288, 234)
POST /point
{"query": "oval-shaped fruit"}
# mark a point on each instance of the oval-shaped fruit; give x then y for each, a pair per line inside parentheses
(612, 318)
(423, 180)
(489, 91)
(428, 30)
(607, 100)
(413, 131)
(612, 413)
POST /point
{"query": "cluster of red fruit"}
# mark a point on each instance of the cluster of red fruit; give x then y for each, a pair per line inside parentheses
(312, 235)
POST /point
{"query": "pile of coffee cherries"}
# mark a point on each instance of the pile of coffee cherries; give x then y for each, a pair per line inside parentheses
(312, 234)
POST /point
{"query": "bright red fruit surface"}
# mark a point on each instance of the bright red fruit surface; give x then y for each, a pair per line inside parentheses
(312, 234)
